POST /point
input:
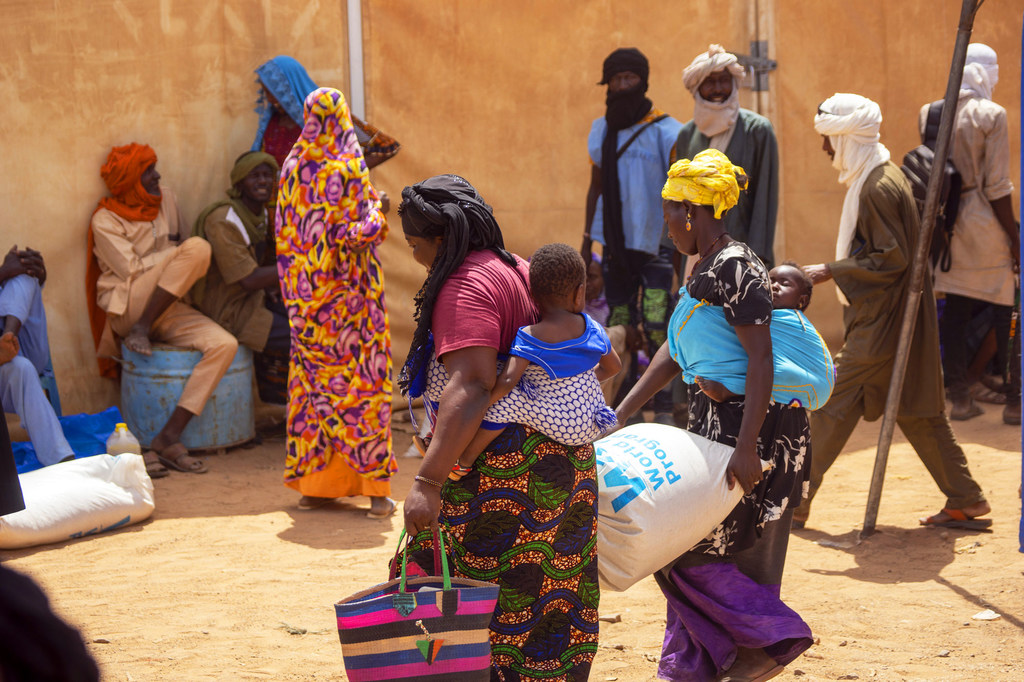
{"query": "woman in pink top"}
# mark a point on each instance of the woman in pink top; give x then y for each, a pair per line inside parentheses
(525, 517)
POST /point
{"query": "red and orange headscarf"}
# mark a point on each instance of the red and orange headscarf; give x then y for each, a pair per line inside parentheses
(122, 174)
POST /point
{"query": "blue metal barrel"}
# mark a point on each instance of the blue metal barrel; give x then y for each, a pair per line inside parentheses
(151, 386)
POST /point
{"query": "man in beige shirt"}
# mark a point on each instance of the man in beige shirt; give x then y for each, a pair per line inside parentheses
(144, 271)
(985, 245)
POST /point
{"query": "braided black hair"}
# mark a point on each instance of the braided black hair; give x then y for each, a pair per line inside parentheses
(556, 270)
(444, 206)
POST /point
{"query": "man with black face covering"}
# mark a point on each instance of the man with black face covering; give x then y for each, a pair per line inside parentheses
(624, 203)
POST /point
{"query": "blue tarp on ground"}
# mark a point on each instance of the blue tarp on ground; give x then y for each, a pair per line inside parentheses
(86, 434)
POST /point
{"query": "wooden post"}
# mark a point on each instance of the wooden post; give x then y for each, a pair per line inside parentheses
(919, 268)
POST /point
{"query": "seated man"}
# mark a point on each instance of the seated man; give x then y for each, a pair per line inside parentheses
(241, 291)
(25, 352)
(143, 274)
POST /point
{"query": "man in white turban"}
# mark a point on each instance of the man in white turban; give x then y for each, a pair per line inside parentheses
(985, 247)
(745, 137)
(877, 236)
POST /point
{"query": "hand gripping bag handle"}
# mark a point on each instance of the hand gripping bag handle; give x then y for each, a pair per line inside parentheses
(440, 559)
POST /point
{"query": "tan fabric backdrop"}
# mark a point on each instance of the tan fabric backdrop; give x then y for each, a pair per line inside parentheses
(503, 93)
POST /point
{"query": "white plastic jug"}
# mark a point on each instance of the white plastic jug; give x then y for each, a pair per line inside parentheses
(121, 441)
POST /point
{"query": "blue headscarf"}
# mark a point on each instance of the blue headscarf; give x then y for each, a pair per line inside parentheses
(288, 82)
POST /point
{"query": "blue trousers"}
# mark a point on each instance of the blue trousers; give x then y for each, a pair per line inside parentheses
(20, 390)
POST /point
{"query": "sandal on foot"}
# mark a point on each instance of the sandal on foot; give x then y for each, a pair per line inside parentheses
(985, 394)
(458, 471)
(956, 518)
(386, 513)
(153, 466)
(307, 502)
(763, 677)
(421, 445)
(176, 457)
(963, 412)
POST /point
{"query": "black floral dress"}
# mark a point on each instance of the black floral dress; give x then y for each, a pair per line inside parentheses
(735, 279)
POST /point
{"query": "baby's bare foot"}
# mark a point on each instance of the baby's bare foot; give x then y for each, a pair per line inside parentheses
(714, 390)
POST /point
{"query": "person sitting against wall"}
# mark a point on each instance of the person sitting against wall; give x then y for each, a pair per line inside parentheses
(241, 291)
(25, 353)
(143, 272)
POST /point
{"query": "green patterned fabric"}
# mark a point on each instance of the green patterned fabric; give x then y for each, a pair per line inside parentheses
(526, 519)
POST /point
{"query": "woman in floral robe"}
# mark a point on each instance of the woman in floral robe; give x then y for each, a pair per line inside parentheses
(329, 224)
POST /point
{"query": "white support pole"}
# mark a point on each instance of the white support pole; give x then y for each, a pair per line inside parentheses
(357, 93)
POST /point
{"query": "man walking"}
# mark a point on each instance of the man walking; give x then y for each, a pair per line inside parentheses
(878, 232)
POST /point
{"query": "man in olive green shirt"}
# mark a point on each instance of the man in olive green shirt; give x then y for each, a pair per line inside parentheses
(241, 291)
(878, 233)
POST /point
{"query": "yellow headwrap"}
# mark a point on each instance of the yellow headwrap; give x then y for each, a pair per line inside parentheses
(710, 179)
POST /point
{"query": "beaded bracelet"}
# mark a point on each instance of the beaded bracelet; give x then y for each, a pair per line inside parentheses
(424, 479)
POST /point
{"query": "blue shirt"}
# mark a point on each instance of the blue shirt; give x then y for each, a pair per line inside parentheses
(568, 358)
(643, 168)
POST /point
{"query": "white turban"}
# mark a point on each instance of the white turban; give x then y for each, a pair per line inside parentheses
(981, 71)
(706, 63)
(714, 119)
(851, 123)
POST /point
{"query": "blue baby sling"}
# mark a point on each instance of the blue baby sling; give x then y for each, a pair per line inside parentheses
(704, 344)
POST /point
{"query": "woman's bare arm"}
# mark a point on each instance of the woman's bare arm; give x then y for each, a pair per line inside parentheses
(745, 466)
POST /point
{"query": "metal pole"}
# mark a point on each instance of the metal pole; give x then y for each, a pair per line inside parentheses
(919, 267)
(356, 82)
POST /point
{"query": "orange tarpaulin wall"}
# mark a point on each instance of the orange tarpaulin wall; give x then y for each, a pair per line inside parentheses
(503, 93)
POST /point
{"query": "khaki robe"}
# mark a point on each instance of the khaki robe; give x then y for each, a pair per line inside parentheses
(126, 249)
(241, 312)
(875, 280)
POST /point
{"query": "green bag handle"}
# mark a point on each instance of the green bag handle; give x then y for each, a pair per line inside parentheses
(438, 547)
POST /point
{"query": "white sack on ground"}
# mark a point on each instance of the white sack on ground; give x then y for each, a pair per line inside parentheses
(78, 498)
(661, 490)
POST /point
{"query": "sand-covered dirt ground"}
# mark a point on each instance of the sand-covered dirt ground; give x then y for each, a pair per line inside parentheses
(230, 581)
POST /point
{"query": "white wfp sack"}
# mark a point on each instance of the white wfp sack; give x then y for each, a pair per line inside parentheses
(660, 491)
(78, 498)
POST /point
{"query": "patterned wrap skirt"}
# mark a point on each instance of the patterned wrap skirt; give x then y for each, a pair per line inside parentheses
(526, 519)
(784, 441)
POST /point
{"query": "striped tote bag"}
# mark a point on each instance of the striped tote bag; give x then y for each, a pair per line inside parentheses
(429, 629)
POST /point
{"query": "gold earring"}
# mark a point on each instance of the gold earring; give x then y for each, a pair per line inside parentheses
(688, 225)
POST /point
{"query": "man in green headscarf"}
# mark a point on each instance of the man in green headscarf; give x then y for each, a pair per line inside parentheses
(240, 291)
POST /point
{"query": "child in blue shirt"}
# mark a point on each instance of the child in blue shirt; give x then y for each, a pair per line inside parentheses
(552, 380)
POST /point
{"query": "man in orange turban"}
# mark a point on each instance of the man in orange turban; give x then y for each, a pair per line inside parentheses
(144, 268)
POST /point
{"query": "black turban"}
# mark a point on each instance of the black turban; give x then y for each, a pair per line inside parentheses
(625, 59)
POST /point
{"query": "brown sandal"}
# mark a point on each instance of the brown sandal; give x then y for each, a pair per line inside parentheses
(176, 457)
(153, 466)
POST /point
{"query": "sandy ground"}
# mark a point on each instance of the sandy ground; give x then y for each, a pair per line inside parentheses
(229, 581)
